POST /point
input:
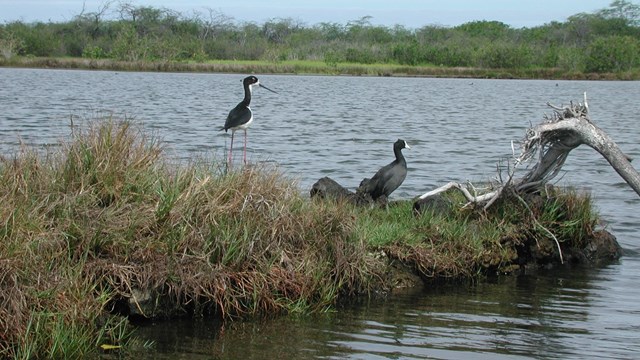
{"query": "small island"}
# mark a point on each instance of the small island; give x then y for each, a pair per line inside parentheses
(105, 231)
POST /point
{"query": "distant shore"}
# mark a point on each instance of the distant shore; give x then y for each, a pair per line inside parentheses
(310, 68)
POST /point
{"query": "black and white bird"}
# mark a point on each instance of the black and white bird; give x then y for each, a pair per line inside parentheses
(241, 117)
(390, 176)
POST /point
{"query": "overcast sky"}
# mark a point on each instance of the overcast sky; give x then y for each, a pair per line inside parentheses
(410, 13)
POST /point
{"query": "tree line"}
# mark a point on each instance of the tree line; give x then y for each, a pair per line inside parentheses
(607, 40)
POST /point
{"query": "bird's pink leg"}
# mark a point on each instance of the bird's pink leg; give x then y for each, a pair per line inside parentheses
(230, 150)
(245, 146)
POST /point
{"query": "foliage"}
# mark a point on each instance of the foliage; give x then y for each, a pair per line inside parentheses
(143, 33)
(624, 10)
(505, 56)
(613, 54)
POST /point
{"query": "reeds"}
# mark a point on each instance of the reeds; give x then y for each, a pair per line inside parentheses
(106, 218)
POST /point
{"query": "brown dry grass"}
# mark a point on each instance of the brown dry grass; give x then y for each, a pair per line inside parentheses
(104, 218)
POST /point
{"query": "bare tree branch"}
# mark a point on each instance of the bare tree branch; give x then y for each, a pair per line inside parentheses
(550, 143)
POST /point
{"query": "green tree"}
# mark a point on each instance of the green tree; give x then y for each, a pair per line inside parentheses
(612, 54)
(10, 44)
(504, 55)
(407, 53)
(128, 45)
(492, 30)
(601, 41)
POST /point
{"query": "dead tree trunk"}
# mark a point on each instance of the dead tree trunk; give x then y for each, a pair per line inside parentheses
(574, 131)
(552, 140)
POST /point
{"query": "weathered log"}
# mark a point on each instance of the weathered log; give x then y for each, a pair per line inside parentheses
(552, 141)
(564, 134)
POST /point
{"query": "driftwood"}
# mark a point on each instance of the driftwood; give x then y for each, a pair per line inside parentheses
(552, 140)
(550, 143)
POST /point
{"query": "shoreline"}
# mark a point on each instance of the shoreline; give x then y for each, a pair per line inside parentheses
(311, 68)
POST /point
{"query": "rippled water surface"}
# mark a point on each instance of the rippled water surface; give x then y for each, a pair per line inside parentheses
(344, 127)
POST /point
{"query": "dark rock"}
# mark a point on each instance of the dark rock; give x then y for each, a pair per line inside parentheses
(436, 203)
(142, 303)
(602, 248)
(327, 188)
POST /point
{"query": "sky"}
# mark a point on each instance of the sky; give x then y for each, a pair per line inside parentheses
(409, 13)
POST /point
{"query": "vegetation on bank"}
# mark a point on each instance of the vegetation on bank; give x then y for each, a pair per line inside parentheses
(312, 68)
(89, 227)
(604, 44)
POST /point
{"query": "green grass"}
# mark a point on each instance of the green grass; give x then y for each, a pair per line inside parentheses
(106, 216)
(311, 67)
(461, 242)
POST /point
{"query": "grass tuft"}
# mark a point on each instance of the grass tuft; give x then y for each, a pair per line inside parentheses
(105, 220)
(466, 242)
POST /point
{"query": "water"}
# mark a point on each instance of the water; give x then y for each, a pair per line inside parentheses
(344, 127)
(562, 315)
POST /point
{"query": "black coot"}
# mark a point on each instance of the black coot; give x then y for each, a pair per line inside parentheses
(389, 177)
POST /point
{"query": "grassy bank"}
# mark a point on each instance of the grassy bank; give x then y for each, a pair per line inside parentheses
(91, 231)
(312, 67)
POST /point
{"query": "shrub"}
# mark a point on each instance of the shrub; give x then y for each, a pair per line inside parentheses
(612, 54)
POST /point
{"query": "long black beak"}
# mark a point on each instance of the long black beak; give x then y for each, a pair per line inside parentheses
(264, 87)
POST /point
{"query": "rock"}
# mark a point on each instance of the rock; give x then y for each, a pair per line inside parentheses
(436, 203)
(602, 248)
(327, 188)
(141, 303)
(149, 304)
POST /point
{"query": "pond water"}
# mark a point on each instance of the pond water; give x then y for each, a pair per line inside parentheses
(344, 127)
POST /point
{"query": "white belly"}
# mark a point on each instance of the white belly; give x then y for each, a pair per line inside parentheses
(247, 124)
